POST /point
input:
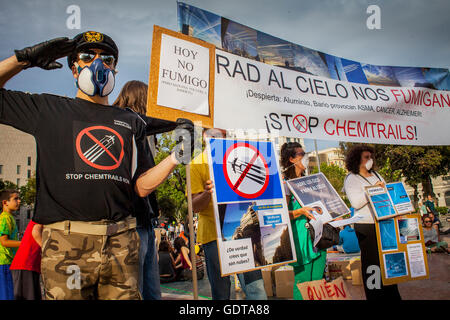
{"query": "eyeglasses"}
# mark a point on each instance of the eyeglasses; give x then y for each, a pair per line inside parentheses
(88, 56)
(426, 221)
(300, 154)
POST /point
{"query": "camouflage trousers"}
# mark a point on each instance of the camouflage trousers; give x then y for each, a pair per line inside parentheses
(77, 266)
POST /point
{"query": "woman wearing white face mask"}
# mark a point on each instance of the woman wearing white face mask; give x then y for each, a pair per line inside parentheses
(310, 265)
(359, 162)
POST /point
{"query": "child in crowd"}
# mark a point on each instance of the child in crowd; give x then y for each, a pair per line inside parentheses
(166, 262)
(26, 266)
(8, 241)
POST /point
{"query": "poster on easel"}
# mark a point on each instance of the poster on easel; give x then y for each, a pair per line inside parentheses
(250, 209)
(401, 249)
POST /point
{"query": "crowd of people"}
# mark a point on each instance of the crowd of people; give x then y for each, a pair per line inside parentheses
(95, 238)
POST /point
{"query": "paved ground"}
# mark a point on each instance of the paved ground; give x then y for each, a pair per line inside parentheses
(437, 287)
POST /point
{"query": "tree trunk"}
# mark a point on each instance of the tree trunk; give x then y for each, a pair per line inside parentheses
(427, 187)
(415, 195)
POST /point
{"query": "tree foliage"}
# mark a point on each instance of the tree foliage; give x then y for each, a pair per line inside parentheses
(417, 164)
(27, 193)
(171, 193)
(334, 174)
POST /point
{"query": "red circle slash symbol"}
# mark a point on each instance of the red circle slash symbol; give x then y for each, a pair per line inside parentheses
(300, 123)
(246, 170)
(100, 148)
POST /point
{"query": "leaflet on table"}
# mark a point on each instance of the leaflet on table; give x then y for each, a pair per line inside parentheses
(316, 191)
(251, 213)
(400, 197)
(344, 222)
(381, 202)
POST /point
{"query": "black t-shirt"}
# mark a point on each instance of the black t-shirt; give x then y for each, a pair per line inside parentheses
(147, 208)
(85, 158)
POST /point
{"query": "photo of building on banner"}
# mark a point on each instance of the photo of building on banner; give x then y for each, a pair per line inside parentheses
(287, 89)
(251, 214)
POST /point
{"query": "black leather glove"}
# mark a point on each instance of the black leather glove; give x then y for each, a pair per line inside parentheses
(44, 54)
(184, 133)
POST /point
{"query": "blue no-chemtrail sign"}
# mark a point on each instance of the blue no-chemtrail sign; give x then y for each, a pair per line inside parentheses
(244, 170)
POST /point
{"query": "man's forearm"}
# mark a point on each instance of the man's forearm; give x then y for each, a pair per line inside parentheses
(9, 68)
(200, 201)
(10, 243)
(153, 177)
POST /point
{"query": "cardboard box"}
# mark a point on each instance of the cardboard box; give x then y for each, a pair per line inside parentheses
(267, 277)
(344, 268)
(355, 267)
(338, 269)
(284, 282)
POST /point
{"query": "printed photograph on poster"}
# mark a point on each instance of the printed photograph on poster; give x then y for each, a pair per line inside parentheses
(408, 229)
(314, 188)
(400, 197)
(276, 246)
(381, 202)
(416, 260)
(388, 235)
(395, 265)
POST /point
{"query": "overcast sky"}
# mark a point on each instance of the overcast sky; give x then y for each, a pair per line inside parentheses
(413, 32)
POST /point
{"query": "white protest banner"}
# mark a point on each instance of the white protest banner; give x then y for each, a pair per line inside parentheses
(267, 83)
(252, 94)
(251, 214)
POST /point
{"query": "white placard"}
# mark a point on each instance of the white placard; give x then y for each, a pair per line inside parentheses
(183, 75)
(236, 255)
(416, 260)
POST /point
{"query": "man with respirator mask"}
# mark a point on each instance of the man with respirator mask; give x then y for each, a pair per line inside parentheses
(91, 158)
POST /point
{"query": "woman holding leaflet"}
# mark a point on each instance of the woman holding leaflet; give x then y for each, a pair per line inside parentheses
(310, 265)
(360, 162)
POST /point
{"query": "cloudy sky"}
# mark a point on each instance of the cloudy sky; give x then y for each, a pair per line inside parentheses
(413, 32)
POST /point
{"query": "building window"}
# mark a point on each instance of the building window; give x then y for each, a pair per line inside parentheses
(18, 169)
(29, 161)
(1, 168)
(18, 182)
(28, 174)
